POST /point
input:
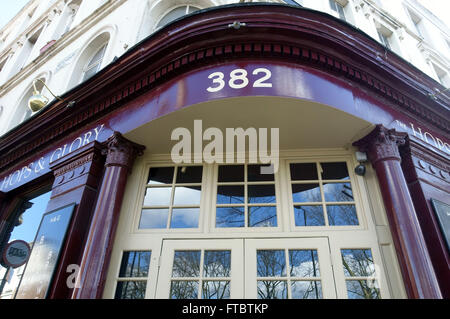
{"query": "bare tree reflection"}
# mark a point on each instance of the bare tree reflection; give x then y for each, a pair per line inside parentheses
(359, 263)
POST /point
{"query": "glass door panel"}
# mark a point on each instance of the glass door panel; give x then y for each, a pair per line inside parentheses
(297, 268)
(201, 269)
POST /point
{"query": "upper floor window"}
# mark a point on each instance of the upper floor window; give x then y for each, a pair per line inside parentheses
(442, 76)
(417, 23)
(383, 36)
(93, 66)
(175, 14)
(337, 9)
(72, 9)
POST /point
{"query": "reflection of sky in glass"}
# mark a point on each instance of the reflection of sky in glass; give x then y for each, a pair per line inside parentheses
(184, 218)
(341, 215)
(154, 218)
(262, 216)
(187, 195)
(135, 264)
(271, 263)
(309, 216)
(31, 219)
(272, 289)
(186, 263)
(230, 217)
(338, 192)
(216, 289)
(306, 193)
(217, 263)
(230, 194)
(306, 290)
(304, 263)
(358, 262)
(157, 196)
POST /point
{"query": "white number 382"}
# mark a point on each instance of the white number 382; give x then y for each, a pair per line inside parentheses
(238, 79)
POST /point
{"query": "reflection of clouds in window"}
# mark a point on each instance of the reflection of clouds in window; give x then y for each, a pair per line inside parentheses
(184, 218)
(154, 218)
(187, 195)
(360, 263)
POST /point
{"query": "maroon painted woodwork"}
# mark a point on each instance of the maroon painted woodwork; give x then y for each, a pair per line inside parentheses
(427, 175)
(274, 32)
(120, 154)
(77, 177)
(418, 273)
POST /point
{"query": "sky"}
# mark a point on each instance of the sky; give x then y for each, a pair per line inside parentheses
(9, 8)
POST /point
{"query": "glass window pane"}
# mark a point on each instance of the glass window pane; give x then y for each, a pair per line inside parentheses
(189, 174)
(358, 262)
(217, 263)
(135, 264)
(309, 216)
(272, 289)
(254, 173)
(230, 194)
(271, 263)
(342, 215)
(362, 289)
(192, 9)
(230, 217)
(154, 218)
(306, 289)
(160, 175)
(130, 290)
(303, 171)
(172, 15)
(304, 263)
(184, 289)
(306, 193)
(186, 263)
(231, 173)
(338, 192)
(157, 196)
(185, 217)
(187, 195)
(262, 216)
(336, 170)
(261, 194)
(216, 289)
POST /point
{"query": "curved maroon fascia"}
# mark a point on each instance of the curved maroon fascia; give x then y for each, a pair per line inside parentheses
(277, 33)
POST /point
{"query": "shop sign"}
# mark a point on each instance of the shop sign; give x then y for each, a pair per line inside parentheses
(41, 165)
(44, 256)
(16, 253)
(442, 211)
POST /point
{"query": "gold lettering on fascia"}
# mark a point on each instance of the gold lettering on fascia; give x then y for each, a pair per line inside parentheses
(42, 163)
(425, 136)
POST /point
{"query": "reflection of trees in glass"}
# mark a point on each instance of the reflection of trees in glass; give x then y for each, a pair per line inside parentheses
(186, 264)
(183, 289)
(131, 290)
(215, 289)
(309, 216)
(272, 289)
(359, 263)
(342, 215)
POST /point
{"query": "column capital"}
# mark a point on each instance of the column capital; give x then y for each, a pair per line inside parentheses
(382, 144)
(121, 152)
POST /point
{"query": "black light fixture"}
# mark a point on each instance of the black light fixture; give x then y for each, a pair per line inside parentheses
(361, 157)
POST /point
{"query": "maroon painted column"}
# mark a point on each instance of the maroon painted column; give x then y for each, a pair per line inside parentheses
(418, 273)
(77, 178)
(120, 155)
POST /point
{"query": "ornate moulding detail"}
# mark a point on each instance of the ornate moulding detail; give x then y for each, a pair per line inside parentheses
(382, 144)
(191, 58)
(121, 152)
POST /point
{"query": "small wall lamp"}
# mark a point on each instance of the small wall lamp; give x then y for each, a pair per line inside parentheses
(37, 101)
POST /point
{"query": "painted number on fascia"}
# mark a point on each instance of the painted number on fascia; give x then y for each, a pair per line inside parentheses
(238, 79)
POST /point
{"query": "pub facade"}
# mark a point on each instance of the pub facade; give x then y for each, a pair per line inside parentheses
(250, 150)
